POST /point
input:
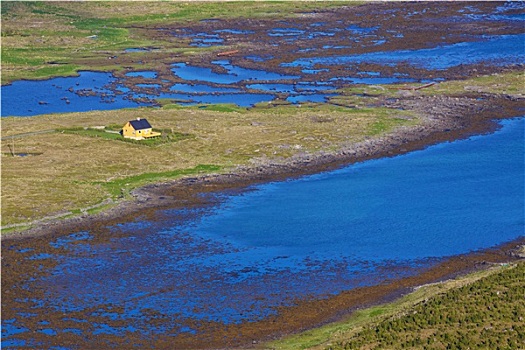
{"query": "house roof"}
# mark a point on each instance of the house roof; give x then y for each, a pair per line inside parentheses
(140, 124)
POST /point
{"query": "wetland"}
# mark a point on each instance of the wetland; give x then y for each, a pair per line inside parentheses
(326, 159)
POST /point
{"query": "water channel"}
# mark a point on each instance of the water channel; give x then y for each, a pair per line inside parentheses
(247, 87)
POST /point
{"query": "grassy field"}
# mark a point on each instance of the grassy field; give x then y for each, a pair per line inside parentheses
(74, 168)
(483, 310)
(511, 83)
(70, 165)
(41, 39)
(167, 135)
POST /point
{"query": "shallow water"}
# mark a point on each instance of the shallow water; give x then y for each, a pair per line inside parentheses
(234, 74)
(310, 237)
(143, 74)
(329, 42)
(501, 50)
(229, 83)
(137, 49)
(84, 93)
(206, 40)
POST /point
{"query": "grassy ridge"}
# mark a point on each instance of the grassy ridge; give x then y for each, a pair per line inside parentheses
(120, 187)
(489, 314)
(480, 311)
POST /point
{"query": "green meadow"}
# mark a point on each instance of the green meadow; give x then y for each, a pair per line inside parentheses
(483, 310)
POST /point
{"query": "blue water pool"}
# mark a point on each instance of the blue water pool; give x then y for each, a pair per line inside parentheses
(143, 74)
(101, 91)
(234, 74)
(89, 91)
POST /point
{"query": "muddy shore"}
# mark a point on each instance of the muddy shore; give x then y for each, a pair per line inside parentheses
(444, 119)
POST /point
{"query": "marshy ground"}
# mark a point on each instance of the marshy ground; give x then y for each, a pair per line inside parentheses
(370, 109)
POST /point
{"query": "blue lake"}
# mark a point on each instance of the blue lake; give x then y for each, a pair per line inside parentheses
(446, 200)
(314, 236)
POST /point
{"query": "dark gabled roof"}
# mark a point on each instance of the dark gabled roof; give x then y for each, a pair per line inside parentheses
(140, 124)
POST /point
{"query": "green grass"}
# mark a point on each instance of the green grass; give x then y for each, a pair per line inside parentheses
(61, 70)
(98, 209)
(167, 136)
(64, 28)
(168, 104)
(121, 187)
(225, 108)
(483, 310)
(71, 166)
(484, 315)
(503, 83)
(7, 231)
(384, 124)
(223, 135)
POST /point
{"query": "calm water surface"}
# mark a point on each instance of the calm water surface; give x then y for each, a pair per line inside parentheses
(501, 50)
(314, 236)
(446, 200)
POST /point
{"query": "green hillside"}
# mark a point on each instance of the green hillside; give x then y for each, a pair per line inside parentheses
(486, 311)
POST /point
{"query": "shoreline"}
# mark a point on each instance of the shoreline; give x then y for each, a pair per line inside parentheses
(325, 334)
(455, 118)
(36, 288)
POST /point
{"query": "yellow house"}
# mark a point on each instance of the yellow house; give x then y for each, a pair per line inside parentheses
(139, 129)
